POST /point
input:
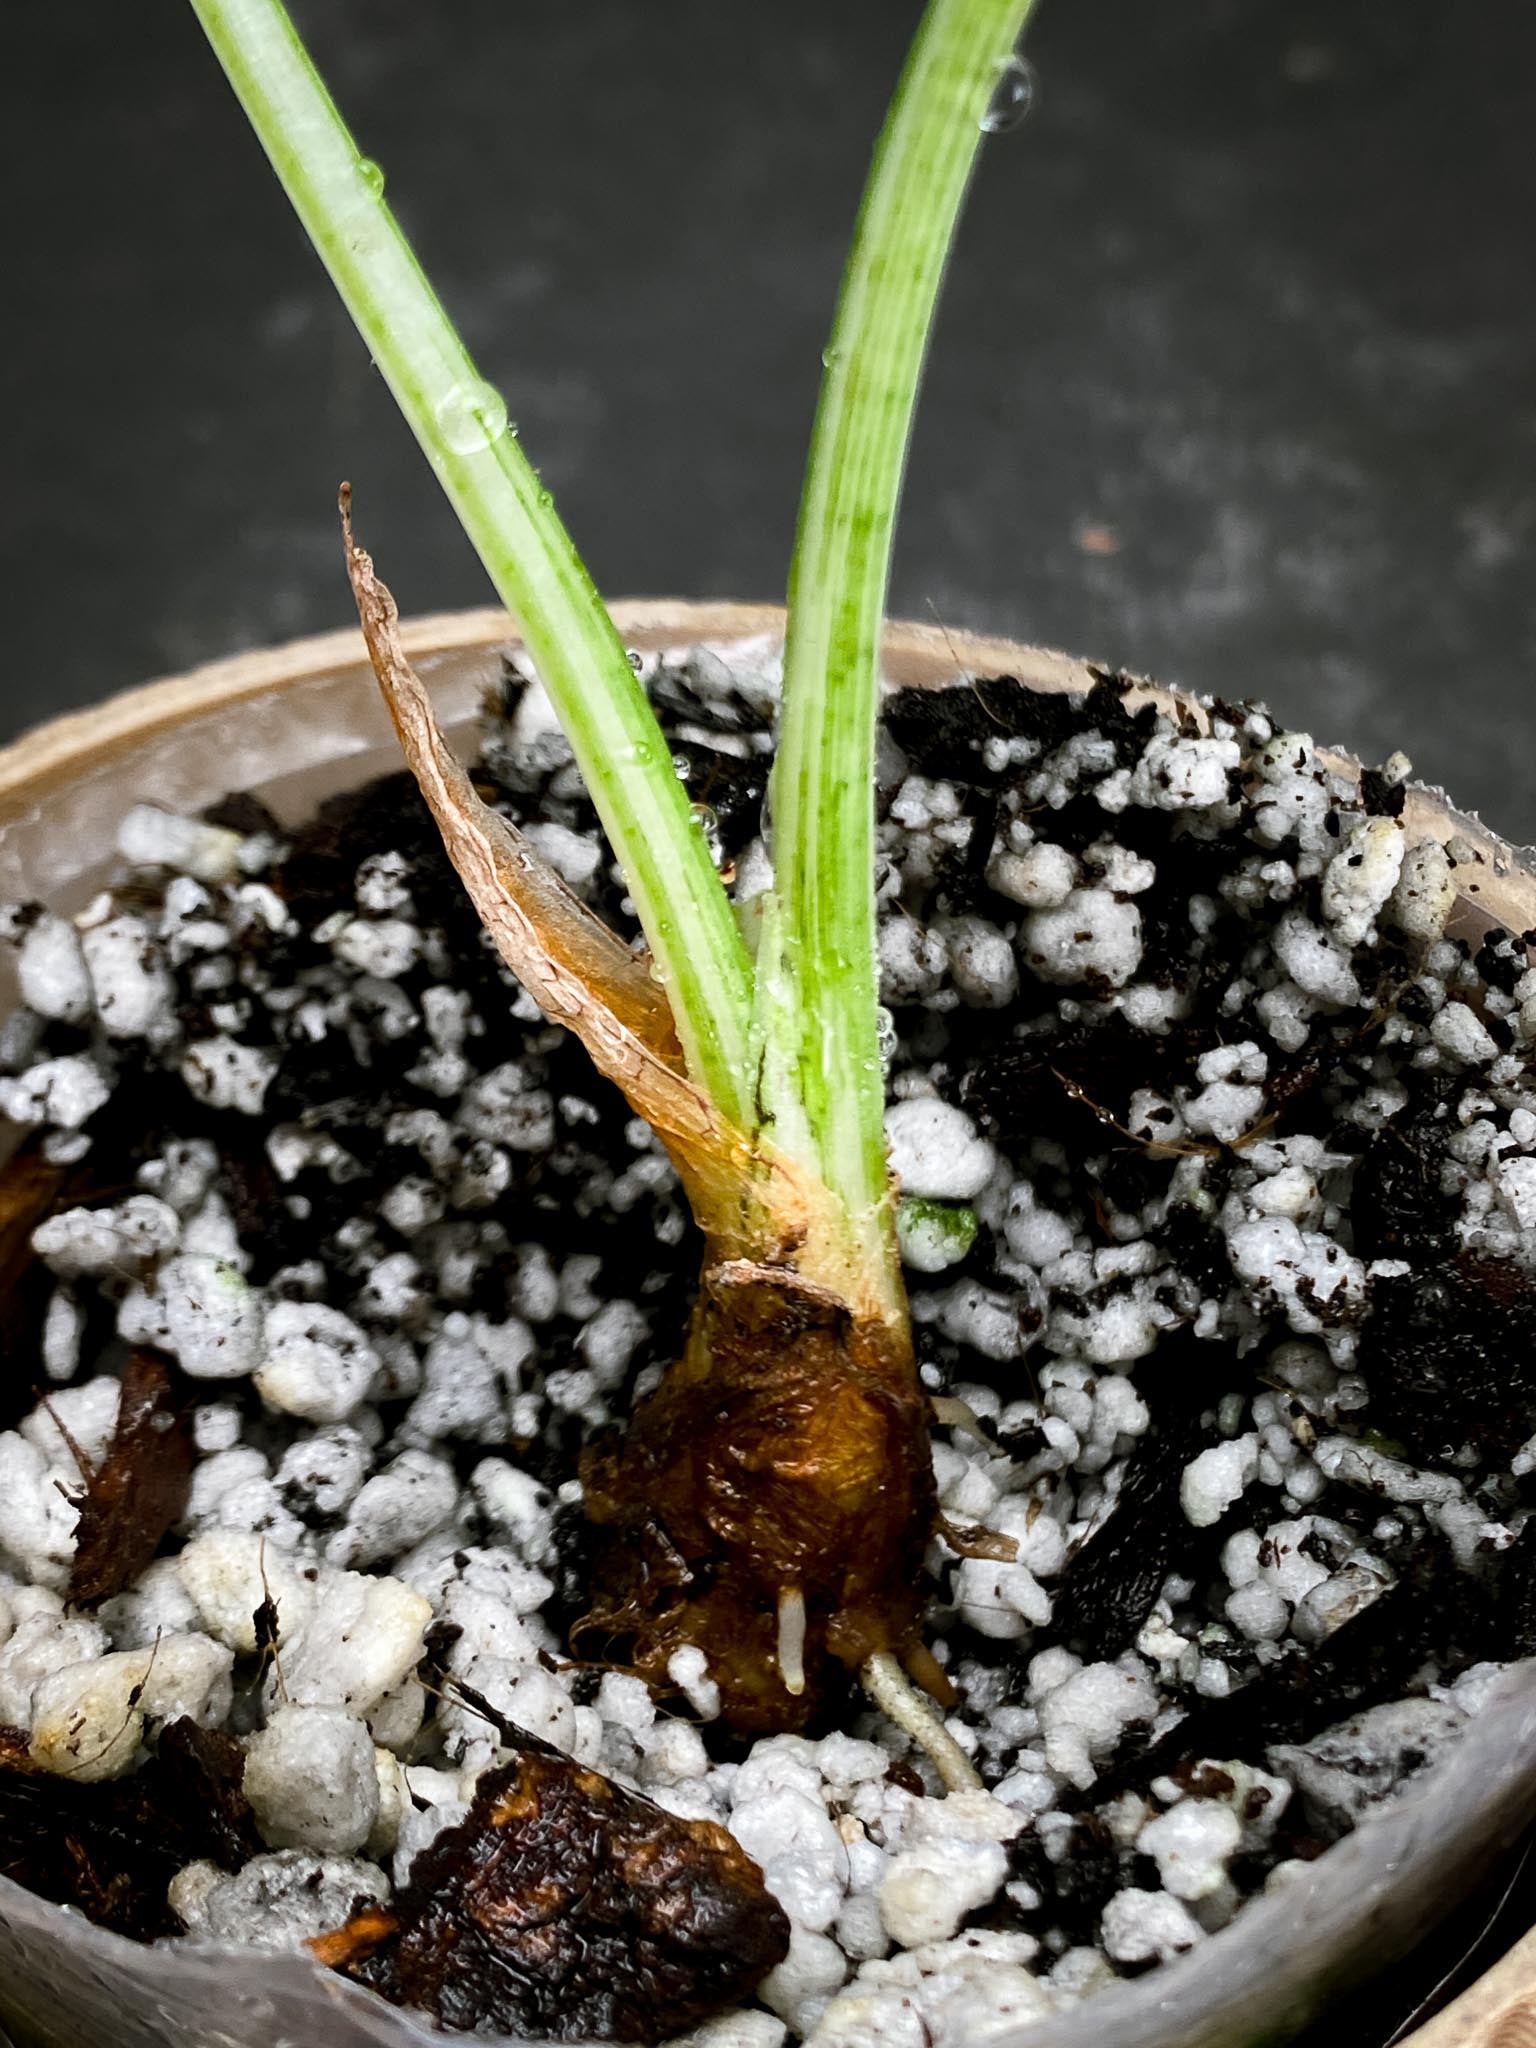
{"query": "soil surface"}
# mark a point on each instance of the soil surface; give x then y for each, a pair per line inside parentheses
(330, 1260)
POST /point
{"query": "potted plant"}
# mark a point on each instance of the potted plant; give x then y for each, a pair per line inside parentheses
(761, 1532)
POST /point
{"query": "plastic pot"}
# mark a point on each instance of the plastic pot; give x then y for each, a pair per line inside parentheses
(299, 722)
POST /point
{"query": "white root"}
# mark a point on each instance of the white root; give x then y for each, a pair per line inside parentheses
(899, 1700)
(792, 1640)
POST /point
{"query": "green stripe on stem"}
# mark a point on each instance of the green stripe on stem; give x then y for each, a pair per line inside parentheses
(818, 999)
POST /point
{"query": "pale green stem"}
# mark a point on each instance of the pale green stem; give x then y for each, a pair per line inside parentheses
(818, 998)
(461, 424)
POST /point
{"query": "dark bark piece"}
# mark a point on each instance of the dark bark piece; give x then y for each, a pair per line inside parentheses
(1446, 1351)
(1075, 1887)
(1113, 1578)
(1111, 1583)
(110, 1850)
(139, 1489)
(196, 1777)
(731, 787)
(944, 732)
(1398, 1204)
(565, 1907)
(30, 1189)
(1515, 1633)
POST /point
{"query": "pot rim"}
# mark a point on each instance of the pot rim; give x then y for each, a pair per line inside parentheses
(50, 752)
(914, 652)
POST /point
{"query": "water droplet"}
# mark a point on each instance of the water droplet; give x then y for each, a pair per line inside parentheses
(636, 659)
(472, 417)
(1012, 97)
(829, 356)
(372, 175)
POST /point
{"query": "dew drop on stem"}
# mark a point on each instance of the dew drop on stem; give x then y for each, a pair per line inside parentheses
(472, 418)
(372, 175)
(1012, 96)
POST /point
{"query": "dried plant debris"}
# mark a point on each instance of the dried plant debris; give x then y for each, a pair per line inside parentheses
(139, 1489)
(1217, 1143)
(567, 1908)
(1111, 1580)
(111, 1850)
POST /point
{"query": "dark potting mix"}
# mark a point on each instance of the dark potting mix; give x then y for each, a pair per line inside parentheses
(330, 1267)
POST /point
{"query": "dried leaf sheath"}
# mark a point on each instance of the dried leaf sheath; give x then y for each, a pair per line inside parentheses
(580, 973)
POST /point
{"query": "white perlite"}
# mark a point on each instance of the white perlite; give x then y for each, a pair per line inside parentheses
(1359, 879)
(1148, 1927)
(311, 1781)
(201, 1310)
(1317, 966)
(930, 1889)
(1462, 1037)
(1216, 1478)
(88, 1719)
(962, 1993)
(318, 1364)
(1185, 774)
(344, 1640)
(157, 838)
(1083, 1717)
(935, 1150)
(1425, 894)
(133, 990)
(1091, 936)
(51, 971)
(228, 1075)
(275, 1902)
(65, 1092)
(1041, 878)
(1191, 1845)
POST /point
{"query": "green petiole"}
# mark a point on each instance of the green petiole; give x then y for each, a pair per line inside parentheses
(461, 423)
(818, 988)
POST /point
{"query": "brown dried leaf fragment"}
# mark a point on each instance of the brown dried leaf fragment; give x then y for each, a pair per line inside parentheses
(31, 1187)
(110, 1850)
(567, 1908)
(140, 1487)
(580, 973)
(196, 1777)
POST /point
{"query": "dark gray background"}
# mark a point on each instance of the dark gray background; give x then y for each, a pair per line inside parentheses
(1252, 289)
